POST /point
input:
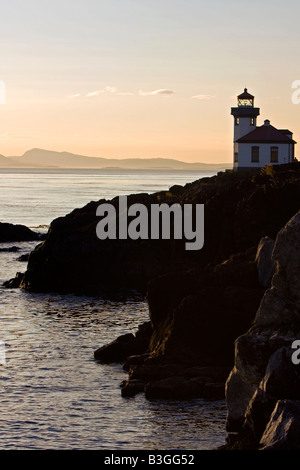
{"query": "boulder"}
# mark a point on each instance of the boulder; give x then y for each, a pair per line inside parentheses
(117, 350)
(15, 282)
(125, 345)
(16, 233)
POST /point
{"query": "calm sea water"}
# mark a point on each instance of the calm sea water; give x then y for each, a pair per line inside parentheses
(53, 394)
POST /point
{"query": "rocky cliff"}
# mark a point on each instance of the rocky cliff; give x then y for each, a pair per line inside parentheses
(263, 389)
(239, 210)
(199, 301)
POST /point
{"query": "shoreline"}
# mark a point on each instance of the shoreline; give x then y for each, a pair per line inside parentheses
(186, 350)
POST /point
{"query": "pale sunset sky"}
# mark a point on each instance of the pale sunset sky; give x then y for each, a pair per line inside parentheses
(144, 78)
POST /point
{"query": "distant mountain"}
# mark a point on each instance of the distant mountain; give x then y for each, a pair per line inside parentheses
(3, 160)
(8, 162)
(48, 158)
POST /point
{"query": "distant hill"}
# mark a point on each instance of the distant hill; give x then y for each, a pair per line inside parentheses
(9, 162)
(48, 158)
(4, 161)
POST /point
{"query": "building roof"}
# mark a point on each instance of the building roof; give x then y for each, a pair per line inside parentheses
(267, 134)
(245, 95)
(285, 131)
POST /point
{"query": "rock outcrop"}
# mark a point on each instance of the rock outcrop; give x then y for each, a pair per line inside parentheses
(126, 345)
(263, 388)
(240, 209)
(191, 350)
(16, 233)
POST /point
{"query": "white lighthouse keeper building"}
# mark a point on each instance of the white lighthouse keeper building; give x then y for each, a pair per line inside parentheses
(258, 146)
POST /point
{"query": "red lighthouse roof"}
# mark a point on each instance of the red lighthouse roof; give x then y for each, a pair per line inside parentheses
(266, 134)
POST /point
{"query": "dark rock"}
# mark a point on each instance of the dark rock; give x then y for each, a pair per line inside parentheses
(15, 282)
(148, 371)
(157, 379)
(130, 388)
(16, 233)
(24, 257)
(281, 380)
(143, 336)
(11, 249)
(240, 209)
(265, 264)
(125, 345)
(73, 259)
(175, 388)
(282, 377)
(135, 360)
(117, 350)
(257, 416)
(264, 372)
(283, 430)
(190, 321)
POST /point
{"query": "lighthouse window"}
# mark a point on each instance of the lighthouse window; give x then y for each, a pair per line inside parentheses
(255, 154)
(252, 121)
(274, 154)
(237, 121)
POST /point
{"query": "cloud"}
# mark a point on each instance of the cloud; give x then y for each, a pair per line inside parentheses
(92, 93)
(74, 96)
(110, 89)
(114, 90)
(203, 97)
(107, 89)
(162, 91)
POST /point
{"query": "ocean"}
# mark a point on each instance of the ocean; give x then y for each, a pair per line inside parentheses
(54, 395)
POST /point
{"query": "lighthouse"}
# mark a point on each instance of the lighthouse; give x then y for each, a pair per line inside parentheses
(256, 146)
(245, 118)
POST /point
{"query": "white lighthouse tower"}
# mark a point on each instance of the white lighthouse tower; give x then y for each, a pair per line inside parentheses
(245, 116)
(256, 146)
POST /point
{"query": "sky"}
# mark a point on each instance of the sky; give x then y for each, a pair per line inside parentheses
(144, 78)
